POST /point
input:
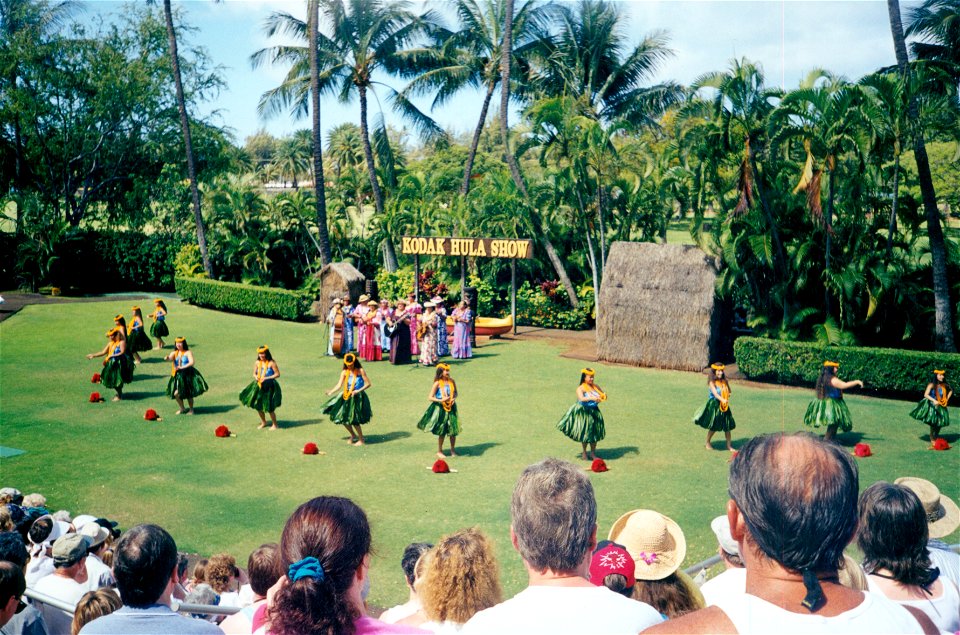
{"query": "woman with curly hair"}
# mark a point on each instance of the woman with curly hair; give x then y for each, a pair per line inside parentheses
(932, 409)
(222, 575)
(829, 408)
(263, 393)
(186, 382)
(460, 578)
(350, 408)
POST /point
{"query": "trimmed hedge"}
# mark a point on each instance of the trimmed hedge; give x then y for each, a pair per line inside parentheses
(887, 370)
(244, 298)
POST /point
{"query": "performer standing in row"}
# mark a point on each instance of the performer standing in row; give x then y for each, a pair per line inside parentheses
(263, 393)
(443, 341)
(332, 325)
(186, 382)
(715, 415)
(384, 314)
(351, 407)
(427, 334)
(120, 324)
(441, 416)
(583, 421)
(359, 313)
(399, 324)
(371, 351)
(461, 331)
(829, 409)
(413, 310)
(932, 409)
(115, 352)
(159, 328)
(348, 329)
(137, 340)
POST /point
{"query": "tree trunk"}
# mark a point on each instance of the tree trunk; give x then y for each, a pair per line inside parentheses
(319, 187)
(938, 252)
(892, 227)
(552, 255)
(828, 225)
(591, 257)
(780, 258)
(187, 142)
(389, 253)
(600, 227)
(465, 188)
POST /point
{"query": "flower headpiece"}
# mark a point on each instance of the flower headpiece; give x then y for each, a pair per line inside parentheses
(349, 359)
(115, 329)
(117, 317)
(717, 366)
(158, 301)
(939, 372)
(443, 366)
(263, 349)
(588, 371)
(832, 364)
(136, 308)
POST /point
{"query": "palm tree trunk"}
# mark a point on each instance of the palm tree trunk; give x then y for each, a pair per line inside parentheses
(828, 224)
(893, 206)
(943, 314)
(319, 187)
(780, 260)
(389, 253)
(187, 142)
(591, 257)
(468, 170)
(552, 255)
(600, 227)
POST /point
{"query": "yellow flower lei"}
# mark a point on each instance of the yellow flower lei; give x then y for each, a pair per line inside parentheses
(448, 402)
(724, 396)
(940, 394)
(347, 386)
(176, 359)
(588, 388)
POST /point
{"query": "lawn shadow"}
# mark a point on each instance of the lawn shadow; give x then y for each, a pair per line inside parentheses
(137, 396)
(609, 454)
(477, 449)
(948, 437)
(214, 410)
(373, 439)
(296, 423)
(736, 444)
(849, 439)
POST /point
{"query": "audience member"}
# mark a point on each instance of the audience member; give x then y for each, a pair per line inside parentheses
(612, 566)
(943, 518)
(222, 575)
(793, 510)
(733, 579)
(99, 574)
(6, 519)
(92, 605)
(411, 555)
(12, 586)
(67, 583)
(204, 595)
(35, 500)
(62, 515)
(657, 545)
(554, 529)
(851, 574)
(11, 495)
(199, 574)
(43, 532)
(263, 569)
(180, 592)
(892, 534)
(28, 621)
(325, 551)
(145, 567)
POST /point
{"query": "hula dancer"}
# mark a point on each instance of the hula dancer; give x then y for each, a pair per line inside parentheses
(583, 421)
(114, 366)
(351, 407)
(715, 415)
(263, 393)
(932, 409)
(186, 382)
(137, 340)
(829, 409)
(441, 417)
(120, 324)
(159, 329)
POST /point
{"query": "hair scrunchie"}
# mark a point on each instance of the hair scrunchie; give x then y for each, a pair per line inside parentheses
(308, 567)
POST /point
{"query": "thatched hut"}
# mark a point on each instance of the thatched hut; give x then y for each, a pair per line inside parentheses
(658, 307)
(337, 280)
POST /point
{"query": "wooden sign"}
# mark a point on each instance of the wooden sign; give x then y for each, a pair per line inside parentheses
(471, 247)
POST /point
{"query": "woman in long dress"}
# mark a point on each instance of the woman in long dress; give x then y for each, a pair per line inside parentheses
(399, 324)
(350, 408)
(427, 332)
(441, 417)
(371, 350)
(348, 330)
(462, 316)
(583, 421)
(359, 330)
(932, 409)
(335, 310)
(829, 408)
(715, 415)
(443, 340)
(414, 310)
(384, 313)
(263, 394)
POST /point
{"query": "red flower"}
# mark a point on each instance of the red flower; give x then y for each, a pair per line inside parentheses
(95, 397)
(598, 465)
(95, 379)
(940, 444)
(440, 467)
(862, 450)
(311, 448)
(151, 415)
(223, 432)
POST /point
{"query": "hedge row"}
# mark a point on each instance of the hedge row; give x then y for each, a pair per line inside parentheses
(886, 370)
(244, 298)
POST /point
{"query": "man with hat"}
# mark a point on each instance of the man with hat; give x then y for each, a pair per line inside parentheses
(943, 518)
(98, 573)
(67, 583)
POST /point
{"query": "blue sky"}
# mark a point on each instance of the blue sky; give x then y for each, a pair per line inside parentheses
(788, 37)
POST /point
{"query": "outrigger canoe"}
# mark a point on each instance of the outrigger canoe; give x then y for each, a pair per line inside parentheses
(488, 326)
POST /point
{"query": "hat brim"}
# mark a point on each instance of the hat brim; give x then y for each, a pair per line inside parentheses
(949, 522)
(666, 563)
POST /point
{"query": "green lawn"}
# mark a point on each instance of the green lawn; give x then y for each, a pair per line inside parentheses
(234, 494)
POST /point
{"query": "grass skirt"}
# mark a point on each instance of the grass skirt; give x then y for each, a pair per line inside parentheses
(712, 418)
(583, 424)
(440, 422)
(138, 341)
(266, 398)
(828, 412)
(114, 372)
(159, 329)
(934, 415)
(126, 367)
(187, 384)
(354, 410)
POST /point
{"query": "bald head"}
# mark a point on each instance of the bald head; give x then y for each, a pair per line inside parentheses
(798, 497)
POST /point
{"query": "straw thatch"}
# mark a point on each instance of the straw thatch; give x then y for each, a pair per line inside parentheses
(337, 280)
(657, 307)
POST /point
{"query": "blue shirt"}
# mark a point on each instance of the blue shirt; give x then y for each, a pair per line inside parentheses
(157, 619)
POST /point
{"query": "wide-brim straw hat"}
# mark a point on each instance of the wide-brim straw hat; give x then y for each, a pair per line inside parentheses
(654, 541)
(364, 298)
(943, 515)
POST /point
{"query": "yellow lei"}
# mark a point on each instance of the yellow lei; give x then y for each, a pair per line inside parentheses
(447, 403)
(724, 396)
(176, 361)
(347, 384)
(261, 373)
(940, 394)
(592, 388)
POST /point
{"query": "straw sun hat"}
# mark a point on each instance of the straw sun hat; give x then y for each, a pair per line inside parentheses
(654, 541)
(943, 515)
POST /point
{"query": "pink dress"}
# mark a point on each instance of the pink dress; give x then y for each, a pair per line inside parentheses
(428, 346)
(414, 310)
(358, 328)
(370, 349)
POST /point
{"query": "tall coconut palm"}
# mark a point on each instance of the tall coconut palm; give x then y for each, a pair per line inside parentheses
(319, 187)
(943, 312)
(936, 24)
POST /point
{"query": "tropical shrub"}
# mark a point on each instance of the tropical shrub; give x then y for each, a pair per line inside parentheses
(395, 285)
(541, 305)
(245, 298)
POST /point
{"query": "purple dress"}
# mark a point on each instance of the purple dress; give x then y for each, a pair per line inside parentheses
(461, 333)
(443, 343)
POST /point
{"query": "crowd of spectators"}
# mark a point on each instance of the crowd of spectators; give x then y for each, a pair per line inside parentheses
(795, 506)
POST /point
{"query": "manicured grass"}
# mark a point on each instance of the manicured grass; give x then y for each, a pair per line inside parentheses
(234, 494)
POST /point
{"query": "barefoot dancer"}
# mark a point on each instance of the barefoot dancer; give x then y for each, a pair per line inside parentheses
(186, 382)
(351, 407)
(441, 417)
(583, 421)
(932, 409)
(263, 393)
(715, 415)
(114, 366)
(137, 340)
(829, 409)
(159, 329)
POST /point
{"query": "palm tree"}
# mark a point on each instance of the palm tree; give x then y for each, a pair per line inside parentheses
(292, 159)
(938, 252)
(187, 141)
(320, 197)
(937, 25)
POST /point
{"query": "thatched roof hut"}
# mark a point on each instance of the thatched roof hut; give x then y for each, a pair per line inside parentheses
(657, 306)
(337, 280)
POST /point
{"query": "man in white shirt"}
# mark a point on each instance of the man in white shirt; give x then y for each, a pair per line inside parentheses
(99, 574)
(67, 583)
(554, 529)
